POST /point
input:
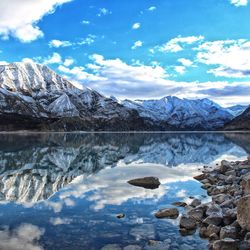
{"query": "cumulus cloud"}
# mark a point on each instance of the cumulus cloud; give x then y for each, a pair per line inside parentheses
(89, 39)
(239, 3)
(116, 77)
(177, 44)
(136, 26)
(231, 58)
(54, 59)
(20, 18)
(24, 237)
(59, 43)
(137, 44)
(60, 221)
(185, 62)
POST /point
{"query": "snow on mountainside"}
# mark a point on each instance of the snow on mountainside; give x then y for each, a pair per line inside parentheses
(34, 96)
(236, 110)
(241, 122)
(182, 113)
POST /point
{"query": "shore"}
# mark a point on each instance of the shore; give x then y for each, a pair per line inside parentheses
(225, 221)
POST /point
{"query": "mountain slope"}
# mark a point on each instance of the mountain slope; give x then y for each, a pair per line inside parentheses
(32, 96)
(241, 122)
(182, 113)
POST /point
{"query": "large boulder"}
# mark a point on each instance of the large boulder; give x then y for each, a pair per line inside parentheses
(187, 222)
(146, 182)
(225, 244)
(246, 183)
(243, 212)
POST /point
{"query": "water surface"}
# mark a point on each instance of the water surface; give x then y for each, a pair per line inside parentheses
(63, 191)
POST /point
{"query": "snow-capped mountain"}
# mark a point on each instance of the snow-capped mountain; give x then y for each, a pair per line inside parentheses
(32, 96)
(236, 110)
(241, 122)
(182, 113)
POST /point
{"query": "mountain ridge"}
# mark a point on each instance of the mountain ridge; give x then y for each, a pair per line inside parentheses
(34, 97)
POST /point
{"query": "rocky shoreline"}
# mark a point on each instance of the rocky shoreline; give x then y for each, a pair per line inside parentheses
(225, 221)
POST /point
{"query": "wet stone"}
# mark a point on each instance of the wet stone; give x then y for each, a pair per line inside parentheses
(171, 213)
(146, 182)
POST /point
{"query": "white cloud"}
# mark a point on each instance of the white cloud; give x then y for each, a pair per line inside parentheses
(231, 58)
(20, 18)
(185, 62)
(24, 237)
(180, 69)
(152, 8)
(87, 40)
(68, 62)
(3, 63)
(104, 12)
(238, 3)
(60, 221)
(85, 22)
(177, 44)
(59, 43)
(54, 59)
(136, 26)
(137, 44)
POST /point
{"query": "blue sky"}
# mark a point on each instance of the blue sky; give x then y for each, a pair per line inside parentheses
(136, 49)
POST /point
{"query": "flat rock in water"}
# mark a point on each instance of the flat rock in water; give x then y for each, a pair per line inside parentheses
(171, 213)
(146, 182)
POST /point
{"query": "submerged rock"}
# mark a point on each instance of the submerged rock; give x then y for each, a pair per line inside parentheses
(120, 216)
(179, 204)
(146, 182)
(171, 213)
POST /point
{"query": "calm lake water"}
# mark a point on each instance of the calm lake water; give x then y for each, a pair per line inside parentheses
(63, 191)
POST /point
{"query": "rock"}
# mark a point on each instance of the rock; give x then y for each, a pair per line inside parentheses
(244, 245)
(225, 166)
(187, 222)
(186, 232)
(220, 198)
(203, 232)
(228, 232)
(111, 247)
(246, 184)
(179, 204)
(171, 213)
(146, 182)
(196, 213)
(225, 244)
(200, 177)
(213, 208)
(247, 236)
(243, 214)
(158, 245)
(229, 216)
(212, 229)
(195, 203)
(120, 216)
(214, 237)
(214, 218)
(132, 247)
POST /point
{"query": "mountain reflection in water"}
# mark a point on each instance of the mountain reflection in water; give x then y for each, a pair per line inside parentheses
(78, 182)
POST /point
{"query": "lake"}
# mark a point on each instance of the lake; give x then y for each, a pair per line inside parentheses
(64, 191)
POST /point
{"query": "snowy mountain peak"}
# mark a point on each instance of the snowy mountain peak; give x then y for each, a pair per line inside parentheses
(31, 77)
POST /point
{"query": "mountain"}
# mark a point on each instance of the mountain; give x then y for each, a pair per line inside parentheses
(197, 114)
(32, 96)
(241, 122)
(236, 110)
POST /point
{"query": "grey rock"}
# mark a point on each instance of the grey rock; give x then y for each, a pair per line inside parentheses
(195, 203)
(243, 214)
(171, 213)
(132, 247)
(246, 183)
(214, 218)
(196, 213)
(225, 244)
(179, 204)
(212, 229)
(111, 247)
(187, 223)
(213, 208)
(146, 182)
(228, 232)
